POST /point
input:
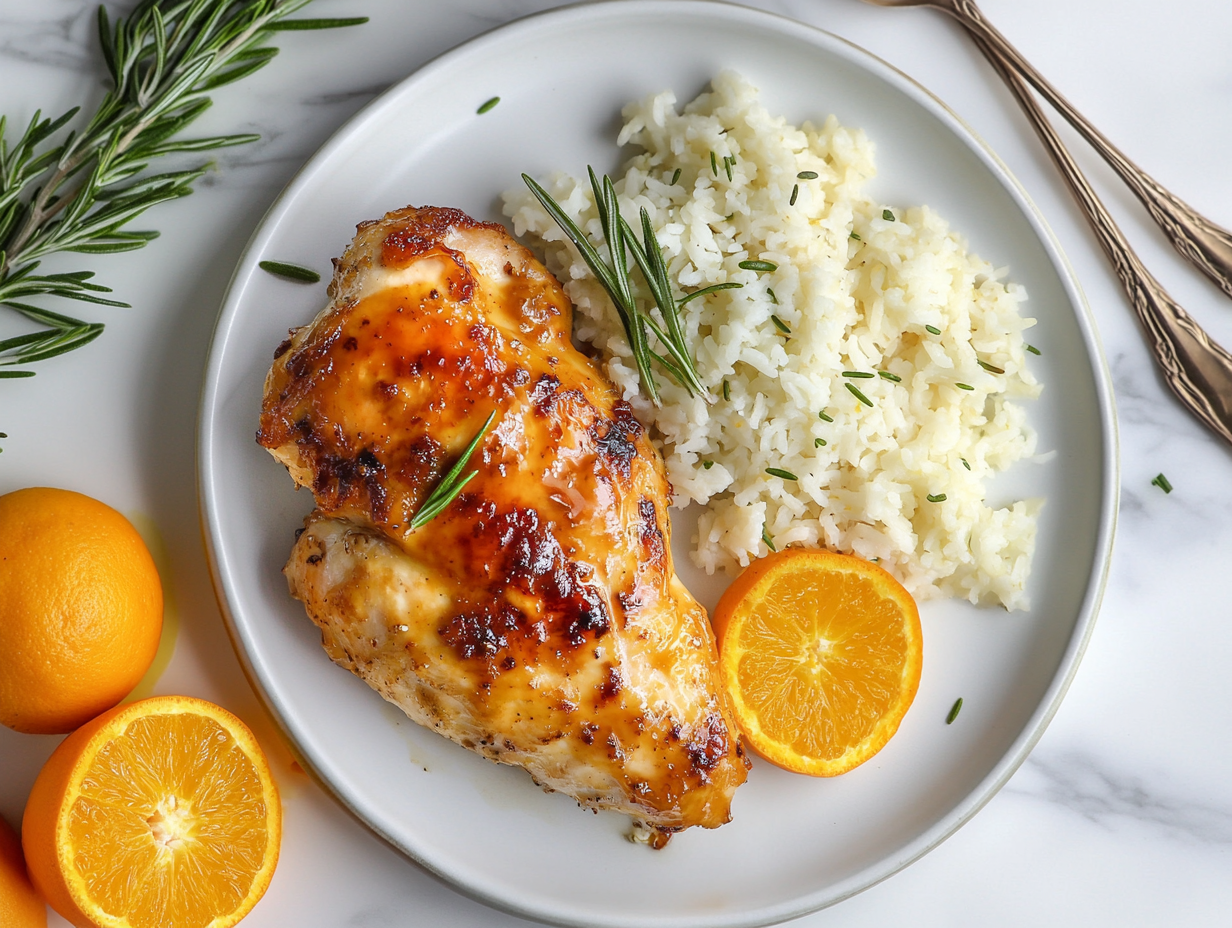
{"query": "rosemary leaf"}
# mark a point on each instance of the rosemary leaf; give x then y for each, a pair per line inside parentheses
(488, 105)
(296, 272)
(706, 291)
(754, 265)
(781, 473)
(765, 536)
(954, 710)
(1162, 482)
(855, 391)
(289, 25)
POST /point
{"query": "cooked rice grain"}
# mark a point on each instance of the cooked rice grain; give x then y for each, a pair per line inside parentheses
(861, 285)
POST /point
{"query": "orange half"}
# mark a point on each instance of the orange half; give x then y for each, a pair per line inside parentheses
(821, 655)
(158, 814)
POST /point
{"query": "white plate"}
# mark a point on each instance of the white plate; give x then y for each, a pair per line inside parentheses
(796, 843)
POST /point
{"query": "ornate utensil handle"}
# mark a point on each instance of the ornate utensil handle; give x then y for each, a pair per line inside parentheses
(1206, 245)
(1198, 370)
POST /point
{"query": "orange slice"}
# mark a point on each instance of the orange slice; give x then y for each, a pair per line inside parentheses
(821, 655)
(156, 814)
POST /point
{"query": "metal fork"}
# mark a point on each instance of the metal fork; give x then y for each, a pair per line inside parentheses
(1198, 370)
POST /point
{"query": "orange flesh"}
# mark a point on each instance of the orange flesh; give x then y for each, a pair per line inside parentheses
(821, 654)
(170, 824)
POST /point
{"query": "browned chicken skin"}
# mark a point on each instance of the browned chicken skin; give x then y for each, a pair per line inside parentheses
(538, 619)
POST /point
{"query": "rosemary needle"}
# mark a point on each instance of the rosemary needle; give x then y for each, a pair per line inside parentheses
(675, 177)
(862, 375)
(754, 265)
(807, 175)
(990, 368)
(450, 485)
(933, 329)
(938, 498)
(1162, 482)
(818, 442)
(765, 536)
(714, 164)
(706, 465)
(296, 272)
(781, 473)
(489, 104)
(887, 216)
(779, 324)
(855, 391)
(954, 710)
(823, 417)
(1032, 349)
(795, 192)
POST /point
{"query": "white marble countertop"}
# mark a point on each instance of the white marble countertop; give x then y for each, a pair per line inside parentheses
(1123, 813)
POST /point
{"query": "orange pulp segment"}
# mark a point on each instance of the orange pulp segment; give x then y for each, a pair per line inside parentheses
(821, 655)
(158, 814)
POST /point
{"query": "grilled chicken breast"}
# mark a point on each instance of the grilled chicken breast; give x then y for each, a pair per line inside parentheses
(538, 619)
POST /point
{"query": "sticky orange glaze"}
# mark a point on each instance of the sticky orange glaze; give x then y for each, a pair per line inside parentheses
(565, 621)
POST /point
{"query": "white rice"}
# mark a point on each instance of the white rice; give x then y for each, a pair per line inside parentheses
(852, 304)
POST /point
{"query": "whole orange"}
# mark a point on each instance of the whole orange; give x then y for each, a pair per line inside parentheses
(20, 905)
(81, 609)
(160, 813)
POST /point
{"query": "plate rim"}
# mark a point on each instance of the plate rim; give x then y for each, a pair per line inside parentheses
(1032, 730)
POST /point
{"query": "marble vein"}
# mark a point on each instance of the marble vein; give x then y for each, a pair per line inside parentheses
(1080, 783)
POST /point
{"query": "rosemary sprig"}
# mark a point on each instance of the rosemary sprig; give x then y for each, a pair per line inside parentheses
(639, 324)
(76, 191)
(450, 485)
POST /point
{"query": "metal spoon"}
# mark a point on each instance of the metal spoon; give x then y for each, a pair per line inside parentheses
(1198, 370)
(1206, 245)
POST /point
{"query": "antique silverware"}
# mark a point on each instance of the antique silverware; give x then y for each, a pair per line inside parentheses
(1198, 370)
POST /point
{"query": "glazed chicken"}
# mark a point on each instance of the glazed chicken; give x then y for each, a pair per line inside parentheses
(537, 619)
